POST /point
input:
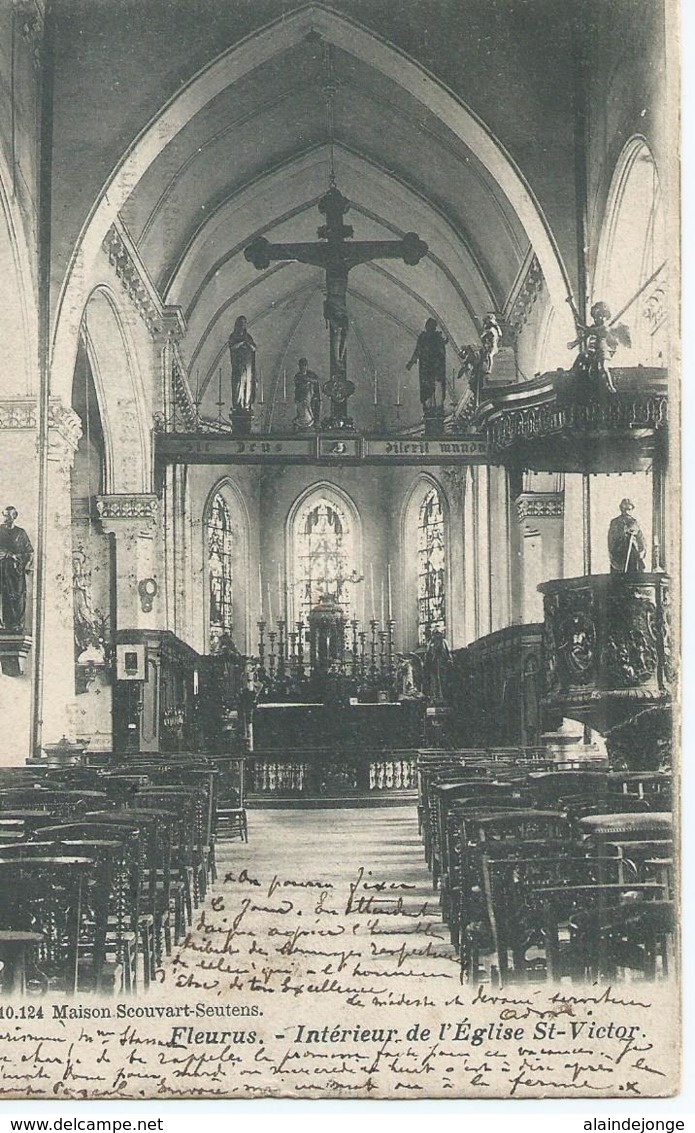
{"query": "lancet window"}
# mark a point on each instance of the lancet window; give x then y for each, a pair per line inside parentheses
(431, 576)
(220, 540)
(324, 556)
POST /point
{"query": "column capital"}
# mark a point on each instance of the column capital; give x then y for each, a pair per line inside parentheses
(21, 413)
(540, 505)
(139, 506)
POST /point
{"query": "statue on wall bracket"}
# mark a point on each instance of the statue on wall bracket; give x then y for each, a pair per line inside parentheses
(476, 367)
(242, 351)
(430, 354)
(307, 397)
(16, 557)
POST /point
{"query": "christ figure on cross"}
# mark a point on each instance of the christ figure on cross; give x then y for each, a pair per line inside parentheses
(336, 256)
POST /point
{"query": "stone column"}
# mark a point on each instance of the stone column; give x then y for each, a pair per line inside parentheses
(54, 686)
(660, 526)
(18, 472)
(131, 518)
(541, 526)
(470, 573)
(500, 548)
(481, 514)
(57, 704)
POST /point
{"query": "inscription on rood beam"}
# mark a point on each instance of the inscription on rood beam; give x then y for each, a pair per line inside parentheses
(193, 448)
(468, 449)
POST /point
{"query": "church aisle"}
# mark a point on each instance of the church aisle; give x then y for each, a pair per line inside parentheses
(336, 902)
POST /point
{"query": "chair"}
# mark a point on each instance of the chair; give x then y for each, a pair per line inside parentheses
(627, 825)
(490, 831)
(124, 897)
(580, 922)
(17, 952)
(160, 901)
(447, 795)
(96, 894)
(44, 896)
(189, 848)
(62, 803)
(508, 883)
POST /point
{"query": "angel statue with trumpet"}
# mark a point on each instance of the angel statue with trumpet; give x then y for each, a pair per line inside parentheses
(597, 344)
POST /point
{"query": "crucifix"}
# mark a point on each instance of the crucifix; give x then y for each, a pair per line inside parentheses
(336, 256)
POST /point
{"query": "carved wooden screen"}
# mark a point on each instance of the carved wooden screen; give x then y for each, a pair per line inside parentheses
(431, 578)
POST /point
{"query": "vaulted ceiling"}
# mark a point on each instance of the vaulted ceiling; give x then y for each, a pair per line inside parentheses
(253, 159)
(256, 161)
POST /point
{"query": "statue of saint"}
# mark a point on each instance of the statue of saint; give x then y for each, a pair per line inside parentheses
(307, 397)
(407, 679)
(436, 666)
(242, 350)
(430, 354)
(16, 556)
(476, 366)
(626, 546)
(598, 343)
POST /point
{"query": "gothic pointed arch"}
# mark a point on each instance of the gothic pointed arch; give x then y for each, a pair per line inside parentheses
(119, 390)
(226, 567)
(323, 551)
(425, 575)
(19, 318)
(408, 79)
(632, 260)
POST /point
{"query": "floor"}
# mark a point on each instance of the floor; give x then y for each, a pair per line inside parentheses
(323, 897)
(319, 967)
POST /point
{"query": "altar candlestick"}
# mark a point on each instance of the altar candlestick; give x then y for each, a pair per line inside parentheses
(388, 577)
(371, 587)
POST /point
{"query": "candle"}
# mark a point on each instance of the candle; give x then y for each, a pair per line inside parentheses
(376, 388)
(388, 576)
(270, 608)
(398, 393)
(280, 602)
(371, 587)
(284, 384)
(260, 592)
(382, 601)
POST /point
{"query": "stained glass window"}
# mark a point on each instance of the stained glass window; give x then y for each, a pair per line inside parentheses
(220, 571)
(323, 556)
(431, 576)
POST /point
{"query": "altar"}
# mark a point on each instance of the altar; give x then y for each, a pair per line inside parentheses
(281, 726)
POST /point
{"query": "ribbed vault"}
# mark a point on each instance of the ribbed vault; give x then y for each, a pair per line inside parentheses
(243, 151)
